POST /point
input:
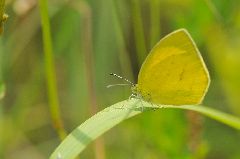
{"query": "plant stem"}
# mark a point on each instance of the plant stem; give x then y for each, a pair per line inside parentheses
(155, 22)
(50, 71)
(2, 6)
(124, 57)
(86, 39)
(3, 17)
(138, 31)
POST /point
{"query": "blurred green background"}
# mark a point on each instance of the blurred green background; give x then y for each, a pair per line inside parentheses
(92, 38)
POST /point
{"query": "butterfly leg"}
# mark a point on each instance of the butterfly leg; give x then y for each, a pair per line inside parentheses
(142, 107)
(148, 99)
(133, 95)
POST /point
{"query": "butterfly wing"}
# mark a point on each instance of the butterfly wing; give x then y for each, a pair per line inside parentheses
(174, 72)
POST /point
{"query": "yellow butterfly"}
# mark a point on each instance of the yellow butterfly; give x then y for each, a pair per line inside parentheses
(173, 73)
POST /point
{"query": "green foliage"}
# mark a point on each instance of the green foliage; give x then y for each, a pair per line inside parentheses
(92, 128)
(119, 34)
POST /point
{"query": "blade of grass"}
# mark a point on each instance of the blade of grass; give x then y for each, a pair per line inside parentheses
(123, 55)
(2, 86)
(50, 70)
(155, 21)
(3, 17)
(2, 6)
(101, 122)
(214, 10)
(138, 31)
(2, 90)
(86, 14)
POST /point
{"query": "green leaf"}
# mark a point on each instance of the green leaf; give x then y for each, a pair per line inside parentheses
(92, 128)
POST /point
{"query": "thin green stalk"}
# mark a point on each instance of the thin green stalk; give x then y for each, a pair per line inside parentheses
(214, 10)
(155, 22)
(217, 115)
(2, 90)
(3, 16)
(2, 5)
(86, 39)
(123, 55)
(50, 71)
(138, 31)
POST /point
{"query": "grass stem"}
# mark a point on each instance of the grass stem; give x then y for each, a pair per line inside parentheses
(50, 71)
(138, 31)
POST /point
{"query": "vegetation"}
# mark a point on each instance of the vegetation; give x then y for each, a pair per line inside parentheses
(55, 60)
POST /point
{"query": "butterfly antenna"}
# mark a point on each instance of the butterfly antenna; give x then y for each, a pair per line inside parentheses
(113, 74)
(113, 85)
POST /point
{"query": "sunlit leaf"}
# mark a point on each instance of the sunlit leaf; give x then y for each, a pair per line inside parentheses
(95, 126)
